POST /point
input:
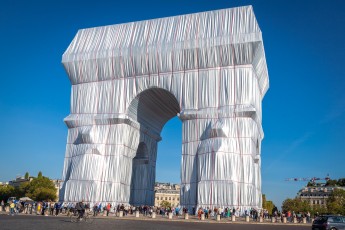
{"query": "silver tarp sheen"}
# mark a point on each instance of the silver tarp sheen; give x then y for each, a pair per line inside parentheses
(129, 79)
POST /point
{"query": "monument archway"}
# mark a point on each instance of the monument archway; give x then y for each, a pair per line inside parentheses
(127, 80)
(151, 108)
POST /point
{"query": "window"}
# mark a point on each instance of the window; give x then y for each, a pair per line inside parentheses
(173, 198)
(169, 198)
(166, 198)
(178, 198)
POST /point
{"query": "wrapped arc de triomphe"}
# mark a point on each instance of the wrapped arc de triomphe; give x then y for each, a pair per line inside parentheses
(129, 79)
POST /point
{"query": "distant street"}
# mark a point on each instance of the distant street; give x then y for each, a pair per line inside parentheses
(22, 222)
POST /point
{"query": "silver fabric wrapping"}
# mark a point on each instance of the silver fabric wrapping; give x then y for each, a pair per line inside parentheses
(129, 79)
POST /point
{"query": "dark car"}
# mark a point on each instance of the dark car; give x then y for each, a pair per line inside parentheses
(327, 222)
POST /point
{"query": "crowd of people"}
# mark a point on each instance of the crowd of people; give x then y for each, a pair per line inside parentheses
(57, 208)
(226, 212)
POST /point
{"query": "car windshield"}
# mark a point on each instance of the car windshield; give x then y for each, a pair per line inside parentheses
(320, 220)
(338, 219)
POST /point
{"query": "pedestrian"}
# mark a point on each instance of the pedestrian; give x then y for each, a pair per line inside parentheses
(308, 217)
(57, 208)
(12, 205)
(108, 208)
(51, 208)
(95, 210)
(206, 212)
(177, 210)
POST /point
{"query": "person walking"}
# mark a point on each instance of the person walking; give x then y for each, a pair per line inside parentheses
(108, 208)
(57, 208)
(12, 205)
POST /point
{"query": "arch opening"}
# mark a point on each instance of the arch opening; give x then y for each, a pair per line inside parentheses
(152, 109)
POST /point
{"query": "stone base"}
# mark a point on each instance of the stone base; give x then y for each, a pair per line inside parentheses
(233, 218)
(247, 218)
(284, 220)
(261, 219)
(186, 216)
(153, 215)
(136, 213)
(170, 215)
(121, 214)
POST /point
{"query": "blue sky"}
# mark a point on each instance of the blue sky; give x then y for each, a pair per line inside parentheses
(303, 111)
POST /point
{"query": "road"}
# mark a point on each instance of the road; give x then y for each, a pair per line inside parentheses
(22, 222)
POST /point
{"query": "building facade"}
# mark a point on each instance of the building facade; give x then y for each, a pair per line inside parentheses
(20, 180)
(167, 192)
(316, 195)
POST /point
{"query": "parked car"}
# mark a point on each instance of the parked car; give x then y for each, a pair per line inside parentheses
(329, 222)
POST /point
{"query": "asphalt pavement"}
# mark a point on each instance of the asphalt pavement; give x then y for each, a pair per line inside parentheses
(23, 222)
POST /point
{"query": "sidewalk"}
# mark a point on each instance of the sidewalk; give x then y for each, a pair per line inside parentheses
(192, 219)
(239, 220)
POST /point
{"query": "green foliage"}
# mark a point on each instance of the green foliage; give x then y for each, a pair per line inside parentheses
(267, 204)
(39, 189)
(336, 202)
(6, 191)
(311, 184)
(165, 204)
(320, 209)
(21, 191)
(331, 183)
(263, 201)
(296, 205)
(341, 182)
(26, 175)
(46, 194)
(39, 174)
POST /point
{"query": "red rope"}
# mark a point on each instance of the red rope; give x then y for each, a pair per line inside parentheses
(166, 73)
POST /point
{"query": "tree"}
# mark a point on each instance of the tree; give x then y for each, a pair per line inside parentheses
(263, 201)
(320, 209)
(336, 202)
(268, 205)
(26, 176)
(341, 182)
(165, 204)
(6, 191)
(39, 189)
(331, 183)
(296, 205)
(39, 174)
(22, 189)
(311, 184)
